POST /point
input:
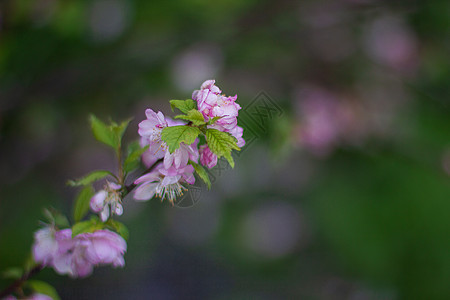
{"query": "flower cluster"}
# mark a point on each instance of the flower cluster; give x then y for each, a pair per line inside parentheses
(172, 150)
(76, 256)
(175, 168)
(214, 105)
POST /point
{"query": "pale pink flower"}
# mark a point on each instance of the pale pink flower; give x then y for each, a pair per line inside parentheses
(45, 245)
(238, 132)
(212, 104)
(77, 256)
(164, 183)
(207, 158)
(107, 201)
(103, 247)
(181, 156)
(151, 128)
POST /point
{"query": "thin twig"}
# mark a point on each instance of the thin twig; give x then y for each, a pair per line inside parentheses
(19, 282)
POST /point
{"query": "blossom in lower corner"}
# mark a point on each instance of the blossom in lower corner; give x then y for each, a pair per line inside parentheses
(107, 201)
(35, 296)
(77, 256)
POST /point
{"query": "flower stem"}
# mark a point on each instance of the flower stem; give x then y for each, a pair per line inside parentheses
(19, 282)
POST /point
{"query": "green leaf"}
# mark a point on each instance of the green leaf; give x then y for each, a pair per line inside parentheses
(90, 178)
(221, 143)
(12, 273)
(175, 135)
(87, 226)
(202, 173)
(229, 158)
(42, 287)
(119, 227)
(183, 105)
(134, 155)
(104, 133)
(55, 217)
(81, 205)
(193, 116)
(214, 120)
(119, 130)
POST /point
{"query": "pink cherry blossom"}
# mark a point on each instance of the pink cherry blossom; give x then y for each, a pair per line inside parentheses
(45, 245)
(238, 132)
(107, 201)
(212, 104)
(181, 156)
(77, 256)
(164, 183)
(207, 158)
(103, 247)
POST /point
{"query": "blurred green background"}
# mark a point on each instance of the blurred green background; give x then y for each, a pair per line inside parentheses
(344, 193)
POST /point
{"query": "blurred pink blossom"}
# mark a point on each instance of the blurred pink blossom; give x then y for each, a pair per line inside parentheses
(77, 256)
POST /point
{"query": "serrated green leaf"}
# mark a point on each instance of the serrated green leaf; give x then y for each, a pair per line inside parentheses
(133, 158)
(183, 105)
(193, 116)
(202, 173)
(103, 133)
(12, 273)
(221, 143)
(42, 287)
(229, 158)
(90, 178)
(81, 205)
(119, 227)
(175, 135)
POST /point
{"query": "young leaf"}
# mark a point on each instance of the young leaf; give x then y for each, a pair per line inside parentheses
(214, 120)
(90, 178)
(119, 227)
(55, 217)
(103, 133)
(119, 130)
(42, 287)
(221, 143)
(183, 105)
(201, 173)
(193, 116)
(133, 158)
(81, 205)
(175, 135)
(229, 158)
(87, 226)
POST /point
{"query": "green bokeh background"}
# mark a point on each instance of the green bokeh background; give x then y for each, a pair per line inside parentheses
(371, 220)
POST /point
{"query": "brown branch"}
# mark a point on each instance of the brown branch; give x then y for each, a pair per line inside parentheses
(19, 282)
